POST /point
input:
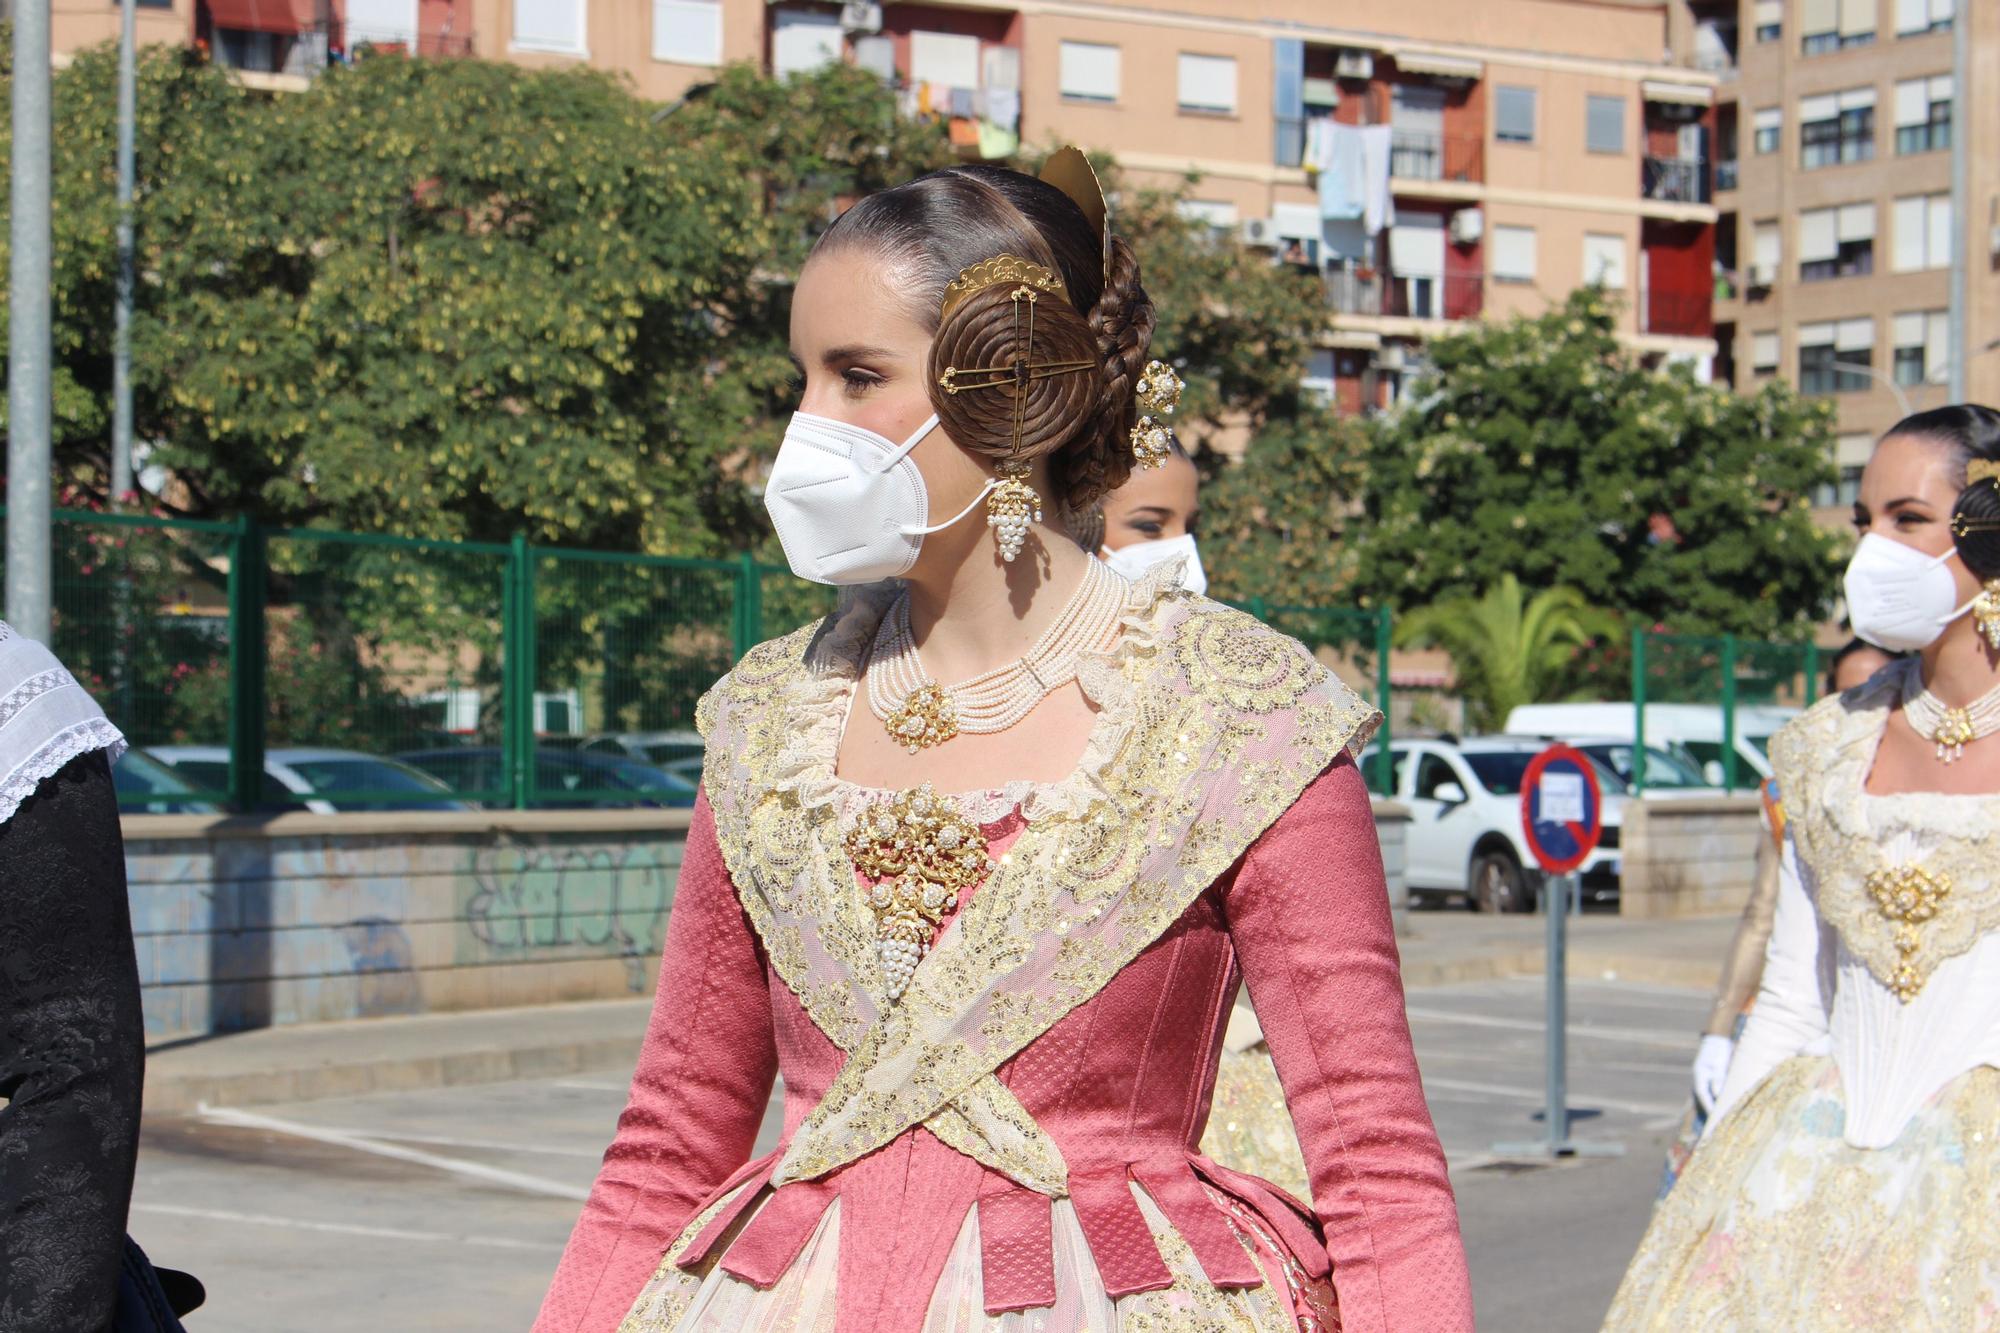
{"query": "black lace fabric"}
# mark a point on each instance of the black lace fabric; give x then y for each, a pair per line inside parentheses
(72, 1054)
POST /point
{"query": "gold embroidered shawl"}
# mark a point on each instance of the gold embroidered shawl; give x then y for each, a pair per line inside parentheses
(1822, 759)
(1210, 726)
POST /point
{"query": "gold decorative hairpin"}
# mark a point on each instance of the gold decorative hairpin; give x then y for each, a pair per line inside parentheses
(1013, 503)
(1982, 469)
(1070, 171)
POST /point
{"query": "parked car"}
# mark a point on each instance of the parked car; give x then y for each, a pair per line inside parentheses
(148, 787)
(661, 748)
(565, 779)
(1670, 774)
(322, 781)
(1695, 728)
(1465, 835)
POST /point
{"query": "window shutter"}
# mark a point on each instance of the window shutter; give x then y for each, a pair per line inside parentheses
(1815, 335)
(1208, 83)
(1937, 249)
(1813, 109)
(1764, 351)
(1514, 252)
(1855, 335)
(944, 59)
(1816, 16)
(1767, 248)
(548, 25)
(1856, 17)
(1857, 222)
(688, 32)
(1818, 238)
(1089, 70)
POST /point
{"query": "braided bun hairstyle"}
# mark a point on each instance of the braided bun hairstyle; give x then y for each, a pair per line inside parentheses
(1969, 431)
(931, 229)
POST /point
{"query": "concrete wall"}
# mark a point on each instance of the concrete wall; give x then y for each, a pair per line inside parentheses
(248, 923)
(1688, 858)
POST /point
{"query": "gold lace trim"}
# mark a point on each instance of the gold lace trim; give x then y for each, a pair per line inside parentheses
(1901, 918)
(1221, 726)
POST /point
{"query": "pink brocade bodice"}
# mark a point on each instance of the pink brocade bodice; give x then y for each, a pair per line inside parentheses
(1121, 1084)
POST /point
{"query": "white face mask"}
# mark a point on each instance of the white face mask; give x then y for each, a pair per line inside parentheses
(1898, 598)
(1134, 560)
(850, 505)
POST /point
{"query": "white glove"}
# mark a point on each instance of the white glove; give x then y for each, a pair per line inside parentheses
(1711, 1066)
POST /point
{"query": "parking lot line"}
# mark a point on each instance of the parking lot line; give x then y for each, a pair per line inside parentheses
(1578, 1098)
(1637, 1036)
(337, 1228)
(360, 1143)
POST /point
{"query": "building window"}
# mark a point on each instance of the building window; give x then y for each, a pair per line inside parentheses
(1767, 252)
(551, 25)
(1923, 114)
(1923, 338)
(1768, 128)
(1837, 128)
(1765, 353)
(1922, 233)
(1208, 85)
(1839, 494)
(1514, 114)
(1513, 254)
(944, 60)
(803, 40)
(1835, 25)
(687, 32)
(1914, 18)
(1836, 357)
(1321, 378)
(1604, 124)
(1219, 215)
(1088, 72)
(1769, 15)
(1836, 242)
(1604, 261)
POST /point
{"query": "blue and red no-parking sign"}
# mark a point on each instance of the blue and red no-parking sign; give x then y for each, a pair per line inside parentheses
(1562, 809)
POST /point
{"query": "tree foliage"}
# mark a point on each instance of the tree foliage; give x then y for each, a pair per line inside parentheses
(1506, 648)
(1272, 522)
(1540, 447)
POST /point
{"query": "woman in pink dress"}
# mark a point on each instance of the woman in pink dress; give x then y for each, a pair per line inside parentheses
(981, 861)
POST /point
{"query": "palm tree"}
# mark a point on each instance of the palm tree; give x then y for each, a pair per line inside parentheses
(1503, 652)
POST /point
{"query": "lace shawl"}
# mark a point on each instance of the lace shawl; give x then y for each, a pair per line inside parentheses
(46, 720)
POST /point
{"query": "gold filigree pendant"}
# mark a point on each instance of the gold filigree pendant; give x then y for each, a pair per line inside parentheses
(926, 717)
(1953, 733)
(1910, 896)
(1011, 508)
(922, 854)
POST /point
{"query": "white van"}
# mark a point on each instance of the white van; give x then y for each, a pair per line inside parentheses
(1695, 729)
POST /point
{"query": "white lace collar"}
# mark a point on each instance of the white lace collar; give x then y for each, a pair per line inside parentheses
(46, 720)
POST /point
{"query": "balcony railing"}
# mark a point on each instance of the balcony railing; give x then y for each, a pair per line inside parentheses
(1421, 155)
(1676, 180)
(1351, 292)
(1451, 296)
(1679, 314)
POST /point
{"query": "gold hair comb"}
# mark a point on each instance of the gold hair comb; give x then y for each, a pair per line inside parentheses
(1982, 469)
(1001, 268)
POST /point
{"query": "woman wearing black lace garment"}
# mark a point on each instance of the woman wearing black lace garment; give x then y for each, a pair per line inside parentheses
(72, 1040)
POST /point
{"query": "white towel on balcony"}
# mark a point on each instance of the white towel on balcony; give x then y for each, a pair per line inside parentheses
(1338, 160)
(1378, 205)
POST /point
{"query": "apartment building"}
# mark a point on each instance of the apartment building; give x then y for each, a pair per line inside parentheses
(1835, 127)
(1532, 145)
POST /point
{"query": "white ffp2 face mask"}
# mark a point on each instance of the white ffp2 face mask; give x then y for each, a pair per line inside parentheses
(1134, 560)
(849, 504)
(1898, 598)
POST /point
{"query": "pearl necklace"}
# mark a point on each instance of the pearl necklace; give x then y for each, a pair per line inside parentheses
(1950, 729)
(920, 713)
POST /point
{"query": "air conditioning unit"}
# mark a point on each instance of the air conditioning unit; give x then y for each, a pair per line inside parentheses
(1390, 357)
(1260, 232)
(1467, 226)
(1763, 275)
(860, 16)
(1354, 65)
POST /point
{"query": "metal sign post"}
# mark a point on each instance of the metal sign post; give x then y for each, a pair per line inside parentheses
(1562, 813)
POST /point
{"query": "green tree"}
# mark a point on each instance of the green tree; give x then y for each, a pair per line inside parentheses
(1507, 649)
(1272, 521)
(1542, 448)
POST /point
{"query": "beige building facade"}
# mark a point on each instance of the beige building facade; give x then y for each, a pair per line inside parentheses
(1834, 183)
(1533, 145)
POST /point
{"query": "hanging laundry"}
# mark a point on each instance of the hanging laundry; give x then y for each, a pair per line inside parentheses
(1378, 206)
(961, 102)
(1343, 177)
(997, 141)
(924, 107)
(964, 132)
(1317, 130)
(1003, 106)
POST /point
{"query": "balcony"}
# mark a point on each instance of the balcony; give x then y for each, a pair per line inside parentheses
(1366, 292)
(1675, 180)
(1726, 175)
(1354, 292)
(1678, 314)
(1423, 155)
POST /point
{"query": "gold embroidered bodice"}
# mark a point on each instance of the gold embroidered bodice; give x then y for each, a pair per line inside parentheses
(1210, 725)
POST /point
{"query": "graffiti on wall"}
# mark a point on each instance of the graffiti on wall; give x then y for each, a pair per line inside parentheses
(567, 901)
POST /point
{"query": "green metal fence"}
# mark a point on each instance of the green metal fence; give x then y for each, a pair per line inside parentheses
(1736, 693)
(517, 675)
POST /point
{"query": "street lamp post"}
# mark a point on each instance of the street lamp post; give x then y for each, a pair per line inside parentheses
(29, 350)
(1869, 372)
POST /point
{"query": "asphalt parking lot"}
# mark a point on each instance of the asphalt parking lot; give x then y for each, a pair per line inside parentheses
(446, 1209)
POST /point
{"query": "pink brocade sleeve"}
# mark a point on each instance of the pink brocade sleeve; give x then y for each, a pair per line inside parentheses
(698, 1095)
(1309, 915)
